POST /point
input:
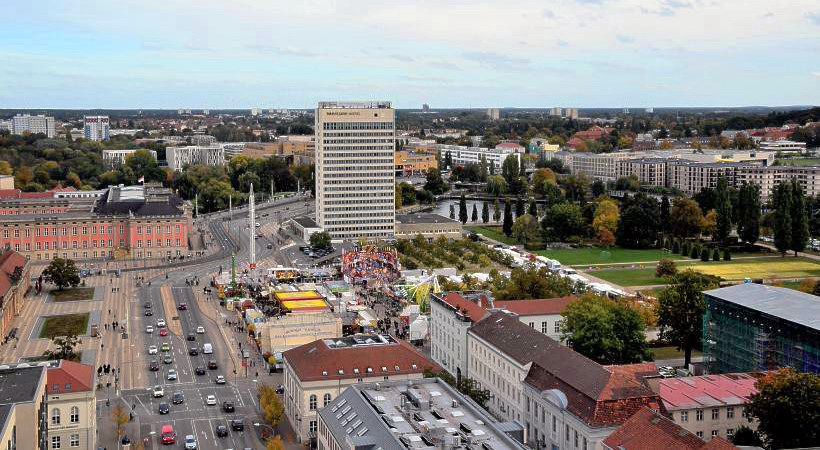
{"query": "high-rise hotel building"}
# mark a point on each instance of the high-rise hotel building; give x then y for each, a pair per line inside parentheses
(355, 176)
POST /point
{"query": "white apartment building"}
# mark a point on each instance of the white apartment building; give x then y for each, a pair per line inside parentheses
(179, 157)
(33, 124)
(96, 128)
(202, 139)
(72, 406)
(318, 372)
(355, 172)
(231, 149)
(118, 157)
(561, 398)
(783, 146)
(463, 155)
(769, 177)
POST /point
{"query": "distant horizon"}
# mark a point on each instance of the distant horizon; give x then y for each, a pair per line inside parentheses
(579, 53)
(264, 109)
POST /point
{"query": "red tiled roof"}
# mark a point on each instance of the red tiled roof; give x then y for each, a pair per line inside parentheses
(17, 193)
(316, 361)
(474, 310)
(9, 260)
(707, 390)
(70, 376)
(650, 430)
(574, 142)
(509, 145)
(536, 306)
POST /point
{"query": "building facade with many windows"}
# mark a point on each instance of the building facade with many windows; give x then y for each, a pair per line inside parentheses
(22, 123)
(96, 128)
(72, 406)
(208, 155)
(24, 408)
(355, 169)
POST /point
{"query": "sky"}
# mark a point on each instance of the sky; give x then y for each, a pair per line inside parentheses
(216, 54)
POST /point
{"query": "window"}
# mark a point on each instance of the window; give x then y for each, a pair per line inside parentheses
(312, 426)
(730, 412)
(326, 400)
(715, 433)
(75, 412)
(730, 432)
(55, 441)
(684, 416)
(700, 434)
(55, 417)
(75, 440)
(699, 415)
(313, 402)
(557, 326)
(544, 327)
(715, 414)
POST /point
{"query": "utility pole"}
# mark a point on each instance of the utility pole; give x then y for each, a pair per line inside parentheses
(196, 205)
(252, 227)
(230, 206)
(271, 189)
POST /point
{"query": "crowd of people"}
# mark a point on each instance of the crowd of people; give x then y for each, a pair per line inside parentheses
(371, 264)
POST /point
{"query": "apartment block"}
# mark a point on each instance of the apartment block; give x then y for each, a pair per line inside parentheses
(209, 155)
(463, 155)
(692, 177)
(709, 406)
(651, 171)
(96, 128)
(355, 169)
(117, 157)
(769, 177)
(22, 123)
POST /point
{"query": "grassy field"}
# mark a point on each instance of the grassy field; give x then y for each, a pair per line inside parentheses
(670, 352)
(72, 295)
(64, 325)
(729, 270)
(492, 232)
(799, 161)
(596, 255)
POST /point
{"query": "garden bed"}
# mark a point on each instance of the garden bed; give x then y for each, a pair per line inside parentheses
(73, 294)
(64, 325)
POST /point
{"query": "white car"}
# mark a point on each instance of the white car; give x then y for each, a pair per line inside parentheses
(158, 392)
(161, 323)
(152, 350)
(190, 442)
(200, 330)
(149, 329)
(172, 374)
(210, 400)
(219, 379)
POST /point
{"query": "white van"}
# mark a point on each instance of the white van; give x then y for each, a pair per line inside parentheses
(207, 349)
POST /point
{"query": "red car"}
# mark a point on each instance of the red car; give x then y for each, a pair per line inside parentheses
(169, 436)
(163, 332)
(182, 306)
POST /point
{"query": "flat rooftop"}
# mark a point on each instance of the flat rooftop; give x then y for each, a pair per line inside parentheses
(423, 218)
(354, 105)
(305, 222)
(18, 383)
(784, 303)
(359, 340)
(424, 414)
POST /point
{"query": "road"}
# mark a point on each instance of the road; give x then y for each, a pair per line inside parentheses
(165, 292)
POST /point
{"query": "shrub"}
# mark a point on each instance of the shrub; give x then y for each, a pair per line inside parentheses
(665, 267)
(726, 255)
(704, 254)
(716, 255)
(685, 248)
(676, 247)
(695, 252)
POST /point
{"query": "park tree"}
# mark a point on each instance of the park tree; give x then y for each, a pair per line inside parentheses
(526, 229)
(65, 346)
(552, 196)
(533, 208)
(603, 330)
(708, 226)
(63, 273)
(745, 436)
(685, 218)
(474, 216)
(723, 207)
(748, 213)
(119, 417)
(681, 307)
(605, 220)
(452, 211)
(462, 209)
(274, 443)
(665, 268)
(519, 207)
(639, 223)
(496, 185)
(800, 219)
(787, 408)
(664, 213)
(510, 170)
(530, 282)
(783, 217)
(496, 210)
(435, 183)
(321, 240)
(541, 178)
(485, 212)
(598, 188)
(507, 225)
(576, 187)
(562, 221)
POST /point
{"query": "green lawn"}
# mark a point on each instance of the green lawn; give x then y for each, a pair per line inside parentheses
(799, 161)
(597, 255)
(64, 325)
(729, 270)
(72, 295)
(492, 232)
(670, 352)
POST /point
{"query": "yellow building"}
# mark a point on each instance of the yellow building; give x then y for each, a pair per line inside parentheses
(413, 162)
(23, 407)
